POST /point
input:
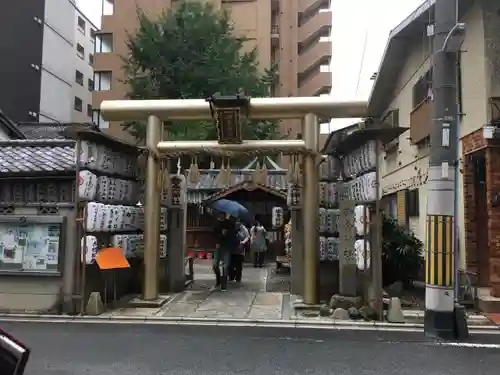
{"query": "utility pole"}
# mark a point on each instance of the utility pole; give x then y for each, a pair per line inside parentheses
(440, 315)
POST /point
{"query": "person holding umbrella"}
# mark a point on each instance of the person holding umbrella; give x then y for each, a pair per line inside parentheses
(227, 238)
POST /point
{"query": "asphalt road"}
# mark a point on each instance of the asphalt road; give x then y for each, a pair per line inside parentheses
(120, 349)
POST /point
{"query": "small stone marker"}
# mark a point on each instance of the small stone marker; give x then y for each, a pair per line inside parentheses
(94, 304)
(395, 313)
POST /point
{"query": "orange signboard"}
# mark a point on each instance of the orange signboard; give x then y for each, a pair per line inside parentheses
(111, 258)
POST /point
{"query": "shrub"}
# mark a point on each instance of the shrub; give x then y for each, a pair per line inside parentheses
(401, 253)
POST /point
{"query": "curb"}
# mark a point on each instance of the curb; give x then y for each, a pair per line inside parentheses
(243, 322)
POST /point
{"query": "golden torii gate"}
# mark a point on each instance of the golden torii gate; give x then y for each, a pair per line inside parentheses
(309, 109)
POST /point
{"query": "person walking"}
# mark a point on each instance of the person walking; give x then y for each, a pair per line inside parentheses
(258, 243)
(238, 253)
(226, 238)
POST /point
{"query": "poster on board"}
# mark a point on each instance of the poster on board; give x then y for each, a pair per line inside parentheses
(30, 246)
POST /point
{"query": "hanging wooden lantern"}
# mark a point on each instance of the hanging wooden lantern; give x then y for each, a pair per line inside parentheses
(229, 113)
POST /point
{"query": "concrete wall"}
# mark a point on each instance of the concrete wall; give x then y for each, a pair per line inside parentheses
(83, 37)
(39, 293)
(398, 167)
(58, 75)
(21, 53)
(474, 98)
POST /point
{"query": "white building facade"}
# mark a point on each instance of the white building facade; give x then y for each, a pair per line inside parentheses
(66, 69)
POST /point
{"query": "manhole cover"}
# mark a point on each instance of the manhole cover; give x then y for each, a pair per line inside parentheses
(310, 314)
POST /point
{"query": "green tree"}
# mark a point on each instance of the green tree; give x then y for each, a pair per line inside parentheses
(192, 52)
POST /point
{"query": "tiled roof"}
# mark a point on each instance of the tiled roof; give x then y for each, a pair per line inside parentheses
(49, 130)
(244, 186)
(275, 179)
(199, 192)
(36, 157)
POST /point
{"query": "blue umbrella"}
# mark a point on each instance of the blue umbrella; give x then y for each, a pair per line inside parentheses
(232, 208)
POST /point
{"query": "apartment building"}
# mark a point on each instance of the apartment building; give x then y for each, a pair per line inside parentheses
(292, 33)
(83, 54)
(402, 96)
(41, 67)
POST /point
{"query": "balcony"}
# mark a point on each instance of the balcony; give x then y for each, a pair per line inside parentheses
(107, 61)
(275, 35)
(318, 54)
(316, 84)
(318, 25)
(421, 122)
(307, 6)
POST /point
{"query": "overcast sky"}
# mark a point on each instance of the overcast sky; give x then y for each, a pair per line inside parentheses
(359, 35)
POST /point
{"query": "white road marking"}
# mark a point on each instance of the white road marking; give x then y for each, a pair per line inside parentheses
(467, 345)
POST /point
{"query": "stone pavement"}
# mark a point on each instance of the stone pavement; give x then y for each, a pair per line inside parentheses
(233, 304)
(248, 300)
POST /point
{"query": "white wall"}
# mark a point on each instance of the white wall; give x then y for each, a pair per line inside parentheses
(474, 95)
(57, 61)
(86, 40)
(410, 160)
(400, 166)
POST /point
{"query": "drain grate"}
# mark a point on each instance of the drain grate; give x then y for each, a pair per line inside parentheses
(310, 314)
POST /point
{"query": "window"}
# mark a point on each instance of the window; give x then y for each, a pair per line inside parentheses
(79, 77)
(108, 7)
(391, 207)
(80, 51)
(92, 35)
(89, 110)
(422, 89)
(81, 25)
(412, 203)
(78, 104)
(90, 84)
(104, 43)
(98, 120)
(102, 81)
(19, 241)
(91, 59)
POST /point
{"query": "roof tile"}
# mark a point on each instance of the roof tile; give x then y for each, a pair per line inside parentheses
(275, 179)
(28, 157)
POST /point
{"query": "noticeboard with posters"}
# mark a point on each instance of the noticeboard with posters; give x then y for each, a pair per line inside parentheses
(30, 244)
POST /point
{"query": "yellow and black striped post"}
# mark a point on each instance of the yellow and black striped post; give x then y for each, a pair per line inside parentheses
(440, 251)
(444, 318)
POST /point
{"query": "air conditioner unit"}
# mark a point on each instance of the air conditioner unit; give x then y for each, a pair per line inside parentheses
(490, 131)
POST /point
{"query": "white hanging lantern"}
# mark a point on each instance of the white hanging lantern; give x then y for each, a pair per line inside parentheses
(362, 216)
(277, 217)
(359, 249)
